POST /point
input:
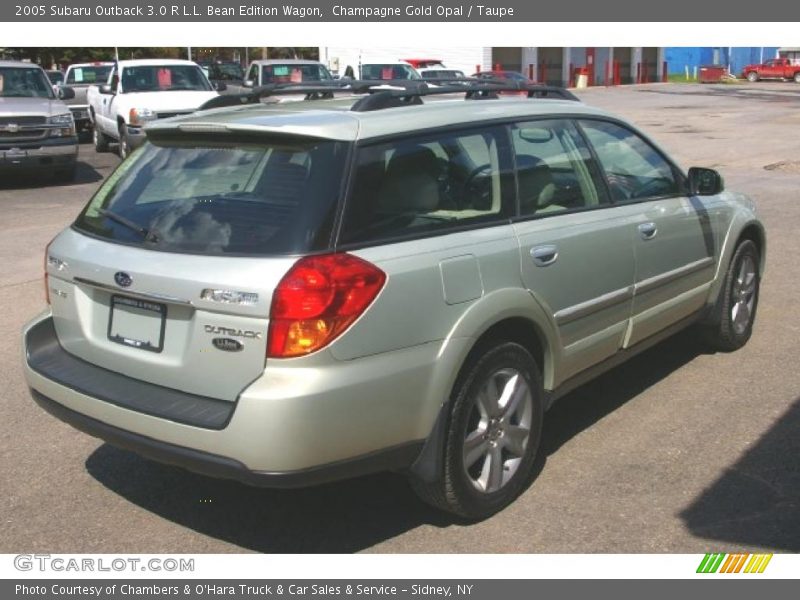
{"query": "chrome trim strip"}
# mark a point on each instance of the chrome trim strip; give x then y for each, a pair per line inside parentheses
(127, 292)
(664, 278)
(584, 309)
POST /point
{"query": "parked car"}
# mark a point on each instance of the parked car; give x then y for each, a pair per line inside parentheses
(425, 63)
(438, 75)
(225, 76)
(37, 132)
(236, 299)
(79, 77)
(777, 68)
(399, 71)
(263, 72)
(139, 91)
(55, 78)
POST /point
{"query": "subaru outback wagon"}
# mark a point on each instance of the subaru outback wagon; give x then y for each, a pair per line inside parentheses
(292, 294)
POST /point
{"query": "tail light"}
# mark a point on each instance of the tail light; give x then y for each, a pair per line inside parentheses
(317, 300)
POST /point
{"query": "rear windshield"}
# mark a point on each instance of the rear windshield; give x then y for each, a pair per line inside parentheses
(86, 75)
(269, 198)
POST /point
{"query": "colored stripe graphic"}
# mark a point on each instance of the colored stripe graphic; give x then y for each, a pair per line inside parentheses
(733, 563)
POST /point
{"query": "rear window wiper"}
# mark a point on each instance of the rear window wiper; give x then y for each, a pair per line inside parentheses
(144, 232)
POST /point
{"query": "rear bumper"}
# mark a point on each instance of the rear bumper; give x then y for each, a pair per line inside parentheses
(223, 467)
(291, 427)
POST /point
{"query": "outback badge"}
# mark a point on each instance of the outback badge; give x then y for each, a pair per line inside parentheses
(227, 344)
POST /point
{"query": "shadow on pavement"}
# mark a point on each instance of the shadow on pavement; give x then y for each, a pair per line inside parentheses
(757, 501)
(84, 173)
(356, 514)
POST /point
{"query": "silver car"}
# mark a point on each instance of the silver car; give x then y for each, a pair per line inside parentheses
(37, 131)
(292, 294)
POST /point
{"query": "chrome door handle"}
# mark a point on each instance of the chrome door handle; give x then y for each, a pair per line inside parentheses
(648, 231)
(544, 256)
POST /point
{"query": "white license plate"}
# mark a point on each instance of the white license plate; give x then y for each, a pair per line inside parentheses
(137, 323)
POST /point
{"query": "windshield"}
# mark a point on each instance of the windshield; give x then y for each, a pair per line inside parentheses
(226, 71)
(263, 198)
(24, 82)
(164, 78)
(293, 73)
(388, 71)
(88, 75)
(55, 77)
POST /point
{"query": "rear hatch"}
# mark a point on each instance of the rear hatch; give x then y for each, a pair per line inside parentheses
(167, 275)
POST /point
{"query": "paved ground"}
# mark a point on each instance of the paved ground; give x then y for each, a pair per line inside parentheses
(677, 451)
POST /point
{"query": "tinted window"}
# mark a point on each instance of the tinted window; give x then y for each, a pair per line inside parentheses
(81, 75)
(633, 168)
(429, 183)
(292, 73)
(23, 82)
(226, 71)
(259, 199)
(388, 71)
(554, 168)
(164, 78)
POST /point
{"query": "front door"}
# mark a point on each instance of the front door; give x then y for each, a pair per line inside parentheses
(672, 233)
(575, 254)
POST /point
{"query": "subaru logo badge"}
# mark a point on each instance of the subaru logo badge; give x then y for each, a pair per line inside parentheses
(123, 279)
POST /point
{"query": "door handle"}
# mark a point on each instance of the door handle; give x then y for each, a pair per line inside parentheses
(544, 256)
(648, 231)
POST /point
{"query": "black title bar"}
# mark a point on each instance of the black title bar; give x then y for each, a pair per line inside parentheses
(399, 11)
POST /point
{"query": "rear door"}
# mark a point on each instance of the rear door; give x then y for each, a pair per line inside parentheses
(673, 234)
(575, 249)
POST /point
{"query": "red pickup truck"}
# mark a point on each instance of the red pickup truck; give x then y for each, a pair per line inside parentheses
(777, 68)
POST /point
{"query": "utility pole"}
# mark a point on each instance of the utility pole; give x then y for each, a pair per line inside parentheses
(264, 52)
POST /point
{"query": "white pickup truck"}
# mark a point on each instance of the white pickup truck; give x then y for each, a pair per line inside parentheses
(139, 91)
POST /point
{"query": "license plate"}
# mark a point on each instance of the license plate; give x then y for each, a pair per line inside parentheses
(137, 323)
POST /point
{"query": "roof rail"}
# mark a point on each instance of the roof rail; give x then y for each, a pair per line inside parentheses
(390, 93)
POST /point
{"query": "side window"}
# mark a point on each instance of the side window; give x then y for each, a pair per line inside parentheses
(633, 168)
(413, 186)
(555, 171)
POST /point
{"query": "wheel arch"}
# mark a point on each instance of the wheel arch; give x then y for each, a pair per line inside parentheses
(505, 315)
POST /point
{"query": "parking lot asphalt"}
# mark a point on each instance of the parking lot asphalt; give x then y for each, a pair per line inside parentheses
(676, 451)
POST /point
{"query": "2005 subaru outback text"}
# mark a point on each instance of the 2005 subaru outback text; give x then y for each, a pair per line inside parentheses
(297, 293)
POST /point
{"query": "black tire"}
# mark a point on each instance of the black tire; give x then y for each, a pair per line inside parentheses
(456, 489)
(752, 77)
(100, 140)
(797, 77)
(124, 142)
(727, 330)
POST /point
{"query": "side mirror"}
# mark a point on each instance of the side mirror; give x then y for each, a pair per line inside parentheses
(248, 83)
(220, 86)
(65, 93)
(705, 182)
(106, 89)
